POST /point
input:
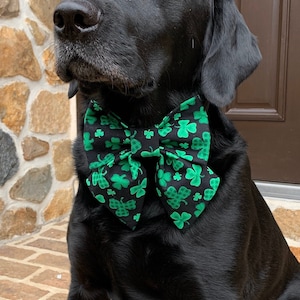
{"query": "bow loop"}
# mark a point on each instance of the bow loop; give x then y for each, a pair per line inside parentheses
(181, 146)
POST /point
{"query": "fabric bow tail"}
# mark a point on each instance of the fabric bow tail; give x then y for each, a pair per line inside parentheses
(187, 192)
(184, 181)
(117, 180)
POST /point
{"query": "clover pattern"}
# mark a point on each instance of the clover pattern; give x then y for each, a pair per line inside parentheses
(122, 208)
(180, 145)
(176, 197)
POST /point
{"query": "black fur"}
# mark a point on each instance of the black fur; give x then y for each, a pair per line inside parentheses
(141, 59)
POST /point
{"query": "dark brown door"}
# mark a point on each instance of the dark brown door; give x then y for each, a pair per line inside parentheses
(266, 110)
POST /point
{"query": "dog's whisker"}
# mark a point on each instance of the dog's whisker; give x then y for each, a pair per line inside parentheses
(193, 43)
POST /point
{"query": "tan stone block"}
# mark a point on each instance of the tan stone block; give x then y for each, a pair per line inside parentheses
(50, 113)
(17, 57)
(17, 222)
(44, 9)
(50, 69)
(9, 8)
(39, 34)
(296, 252)
(60, 204)
(63, 160)
(13, 99)
(34, 147)
(289, 222)
(2, 206)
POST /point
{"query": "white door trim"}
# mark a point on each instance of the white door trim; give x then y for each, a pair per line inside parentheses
(279, 190)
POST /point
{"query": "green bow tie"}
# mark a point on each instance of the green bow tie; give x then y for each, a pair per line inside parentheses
(181, 145)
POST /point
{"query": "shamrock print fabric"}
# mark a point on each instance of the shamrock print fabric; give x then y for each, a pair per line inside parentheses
(181, 146)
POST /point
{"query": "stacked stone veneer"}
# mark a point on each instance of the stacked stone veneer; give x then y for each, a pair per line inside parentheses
(36, 168)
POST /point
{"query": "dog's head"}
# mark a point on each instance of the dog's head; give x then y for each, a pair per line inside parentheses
(139, 50)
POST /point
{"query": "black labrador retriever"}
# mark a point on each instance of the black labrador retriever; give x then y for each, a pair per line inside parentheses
(189, 223)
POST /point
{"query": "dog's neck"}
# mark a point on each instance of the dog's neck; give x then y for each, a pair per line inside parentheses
(137, 112)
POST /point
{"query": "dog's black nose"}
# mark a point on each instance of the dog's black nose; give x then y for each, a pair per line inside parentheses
(75, 19)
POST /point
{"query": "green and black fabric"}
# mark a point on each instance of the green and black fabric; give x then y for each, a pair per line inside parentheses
(181, 144)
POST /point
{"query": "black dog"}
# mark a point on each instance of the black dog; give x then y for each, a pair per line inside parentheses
(138, 60)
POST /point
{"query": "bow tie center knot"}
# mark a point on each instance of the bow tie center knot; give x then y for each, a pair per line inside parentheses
(145, 143)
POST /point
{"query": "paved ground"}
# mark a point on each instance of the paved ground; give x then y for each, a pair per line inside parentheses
(37, 267)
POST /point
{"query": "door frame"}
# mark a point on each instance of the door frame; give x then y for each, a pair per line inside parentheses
(279, 190)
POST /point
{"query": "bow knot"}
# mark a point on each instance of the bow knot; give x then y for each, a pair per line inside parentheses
(180, 144)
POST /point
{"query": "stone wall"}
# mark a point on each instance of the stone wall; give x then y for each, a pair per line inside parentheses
(36, 168)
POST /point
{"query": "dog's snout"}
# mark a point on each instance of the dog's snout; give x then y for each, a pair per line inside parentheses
(74, 19)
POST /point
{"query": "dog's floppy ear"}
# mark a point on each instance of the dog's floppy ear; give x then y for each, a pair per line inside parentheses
(231, 56)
